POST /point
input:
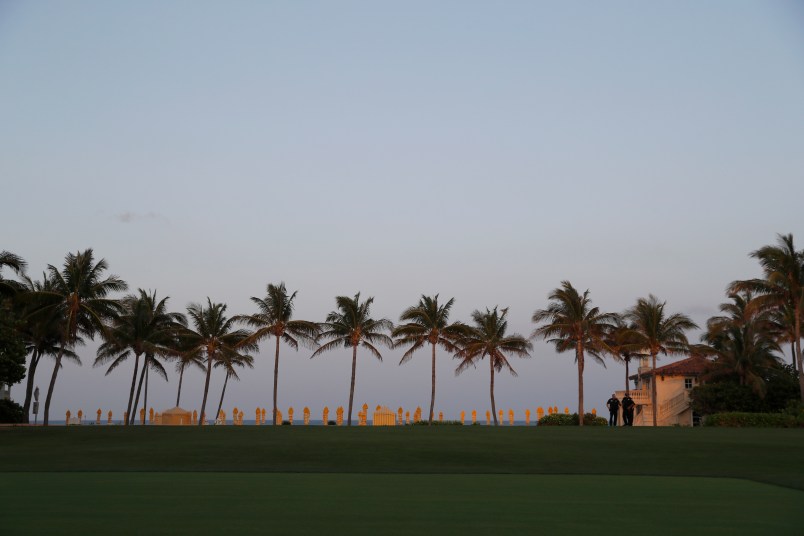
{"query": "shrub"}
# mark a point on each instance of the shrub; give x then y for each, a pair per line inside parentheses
(795, 408)
(593, 420)
(12, 349)
(11, 412)
(564, 419)
(755, 420)
(726, 395)
(438, 423)
(559, 419)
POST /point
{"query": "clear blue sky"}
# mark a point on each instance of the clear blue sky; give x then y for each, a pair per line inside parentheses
(483, 151)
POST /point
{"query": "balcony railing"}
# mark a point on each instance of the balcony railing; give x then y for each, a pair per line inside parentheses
(639, 396)
(672, 406)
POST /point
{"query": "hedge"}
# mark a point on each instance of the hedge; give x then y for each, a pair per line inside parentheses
(564, 419)
(438, 423)
(11, 412)
(754, 420)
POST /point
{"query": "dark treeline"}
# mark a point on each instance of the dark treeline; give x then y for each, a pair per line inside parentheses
(54, 316)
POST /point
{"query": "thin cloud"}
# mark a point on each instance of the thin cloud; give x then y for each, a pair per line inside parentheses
(131, 217)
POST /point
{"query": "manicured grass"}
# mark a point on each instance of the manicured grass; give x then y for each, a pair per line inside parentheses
(763, 455)
(281, 503)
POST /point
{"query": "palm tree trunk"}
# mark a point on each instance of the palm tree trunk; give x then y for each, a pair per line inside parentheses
(147, 368)
(133, 414)
(133, 382)
(491, 391)
(641, 387)
(276, 376)
(352, 387)
(628, 360)
(223, 392)
(206, 389)
(52, 385)
(30, 385)
(797, 328)
(579, 357)
(653, 390)
(793, 355)
(432, 392)
(181, 377)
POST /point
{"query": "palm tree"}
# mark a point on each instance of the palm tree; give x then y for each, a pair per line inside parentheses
(487, 339)
(213, 339)
(229, 362)
(743, 343)
(571, 323)
(144, 327)
(42, 334)
(658, 333)
(8, 287)
(782, 287)
(352, 326)
(78, 296)
(622, 344)
(276, 318)
(428, 322)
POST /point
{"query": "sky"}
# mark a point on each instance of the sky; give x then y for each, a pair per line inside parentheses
(482, 151)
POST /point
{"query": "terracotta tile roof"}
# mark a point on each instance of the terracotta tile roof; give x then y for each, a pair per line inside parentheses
(692, 366)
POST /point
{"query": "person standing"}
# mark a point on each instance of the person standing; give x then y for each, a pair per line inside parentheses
(614, 407)
(628, 410)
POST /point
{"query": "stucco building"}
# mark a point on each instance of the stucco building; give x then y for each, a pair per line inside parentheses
(673, 385)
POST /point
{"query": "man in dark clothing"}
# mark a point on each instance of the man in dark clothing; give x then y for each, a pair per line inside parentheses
(628, 410)
(614, 406)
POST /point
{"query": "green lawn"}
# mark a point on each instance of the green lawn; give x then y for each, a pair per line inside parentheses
(281, 503)
(766, 455)
(444, 480)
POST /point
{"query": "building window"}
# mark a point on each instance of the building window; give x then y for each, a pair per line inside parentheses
(687, 383)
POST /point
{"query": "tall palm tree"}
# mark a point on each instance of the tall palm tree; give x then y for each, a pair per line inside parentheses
(229, 362)
(742, 342)
(659, 332)
(428, 323)
(487, 338)
(352, 326)
(276, 319)
(144, 327)
(79, 297)
(42, 333)
(571, 323)
(8, 287)
(213, 339)
(622, 344)
(782, 287)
